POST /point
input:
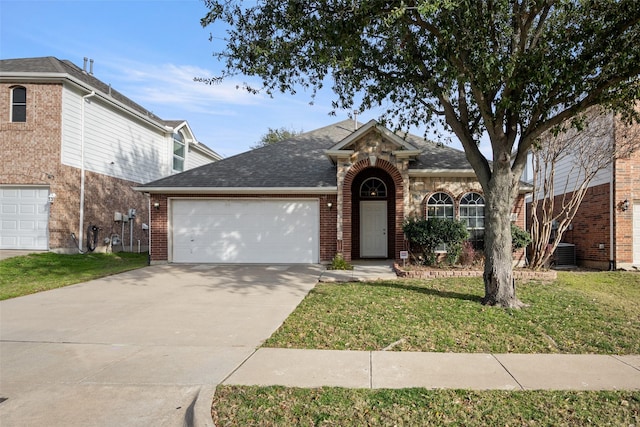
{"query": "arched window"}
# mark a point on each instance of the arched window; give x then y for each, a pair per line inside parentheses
(472, 213)
(373, 188)
(19, 104)
(178, 152)
(440, 205)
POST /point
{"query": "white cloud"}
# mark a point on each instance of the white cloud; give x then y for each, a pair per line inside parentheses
(173, 85)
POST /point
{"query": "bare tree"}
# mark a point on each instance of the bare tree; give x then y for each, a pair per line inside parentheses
(583, 150)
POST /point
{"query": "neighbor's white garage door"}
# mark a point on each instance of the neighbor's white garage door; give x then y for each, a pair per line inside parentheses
(245, 231)
(636, 232)
(24, 216)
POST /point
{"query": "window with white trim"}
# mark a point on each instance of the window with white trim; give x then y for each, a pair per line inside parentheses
(472, 213)
(178, 152)
(440, 205)
(19, 104)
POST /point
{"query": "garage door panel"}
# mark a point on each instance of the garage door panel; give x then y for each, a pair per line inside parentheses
(636, 232)
(220, 231)
(24, 218)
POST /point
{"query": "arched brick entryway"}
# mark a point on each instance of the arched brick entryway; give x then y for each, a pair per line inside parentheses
(357, 174)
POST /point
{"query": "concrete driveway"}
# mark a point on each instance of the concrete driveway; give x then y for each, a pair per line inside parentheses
(138, 348)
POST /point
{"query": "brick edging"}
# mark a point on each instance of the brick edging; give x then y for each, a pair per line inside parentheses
(545, 276)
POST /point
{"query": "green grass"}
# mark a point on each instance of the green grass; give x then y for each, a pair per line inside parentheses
(280, 406)
(579, 313)
(28, 274)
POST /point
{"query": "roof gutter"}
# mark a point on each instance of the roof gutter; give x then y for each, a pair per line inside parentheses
(467, 173)
(457, 173)
(238, 190)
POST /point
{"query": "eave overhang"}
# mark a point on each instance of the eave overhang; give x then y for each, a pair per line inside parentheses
(465, 173)
(238, 190)
(524, 188)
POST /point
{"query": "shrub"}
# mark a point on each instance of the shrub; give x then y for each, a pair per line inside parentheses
(467, 254)
(338, 263)
(519, 238)
(425, 235)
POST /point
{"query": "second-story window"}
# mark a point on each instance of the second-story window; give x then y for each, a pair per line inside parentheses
(178, 152)
(19, 104)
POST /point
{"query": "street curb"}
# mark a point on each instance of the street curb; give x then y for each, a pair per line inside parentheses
(202, 408)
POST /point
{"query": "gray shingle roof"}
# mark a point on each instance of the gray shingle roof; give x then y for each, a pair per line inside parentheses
(437, 156)
(297, 162)
(50, 64)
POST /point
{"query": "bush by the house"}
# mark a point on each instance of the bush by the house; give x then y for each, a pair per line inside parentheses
(339, 263)
(425, 235)
(519, 238)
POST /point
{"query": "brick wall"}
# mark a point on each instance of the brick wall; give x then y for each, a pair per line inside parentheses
(590, 228)
(31, 156)
(591, 231)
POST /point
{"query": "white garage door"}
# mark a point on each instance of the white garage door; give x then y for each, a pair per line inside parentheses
(245, 231)
(24, 216)
(636, 232)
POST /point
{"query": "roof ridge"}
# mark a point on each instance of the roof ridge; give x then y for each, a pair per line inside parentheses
(56, 63)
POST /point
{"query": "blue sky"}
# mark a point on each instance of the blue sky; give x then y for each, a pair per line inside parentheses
(150, 51)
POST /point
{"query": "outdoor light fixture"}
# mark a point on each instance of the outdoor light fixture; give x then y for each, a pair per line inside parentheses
(329, 205)
(625, 205)
(156, 205)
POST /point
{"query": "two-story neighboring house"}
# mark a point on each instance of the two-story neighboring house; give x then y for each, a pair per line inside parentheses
(72, 148)
(605, 233)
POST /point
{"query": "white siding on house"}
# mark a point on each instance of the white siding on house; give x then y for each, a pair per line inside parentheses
(116, 144)
(195, 159)
(569, 177)
(568, 173)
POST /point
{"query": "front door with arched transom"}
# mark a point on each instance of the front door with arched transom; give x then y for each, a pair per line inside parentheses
(373, 189)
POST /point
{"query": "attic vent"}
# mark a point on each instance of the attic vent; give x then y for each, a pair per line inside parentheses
(84, 67)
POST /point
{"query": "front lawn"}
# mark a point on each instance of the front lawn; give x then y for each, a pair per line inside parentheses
(578, 313)
(281, 406)
(594, 312)
(38, 272)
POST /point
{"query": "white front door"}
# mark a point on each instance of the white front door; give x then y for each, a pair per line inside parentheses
(636, 233)
(373, 229)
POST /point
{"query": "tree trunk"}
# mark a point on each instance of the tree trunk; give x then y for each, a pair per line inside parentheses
(499, 283)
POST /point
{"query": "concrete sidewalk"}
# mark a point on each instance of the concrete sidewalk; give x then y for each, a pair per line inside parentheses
(476, 371)
(363, 271)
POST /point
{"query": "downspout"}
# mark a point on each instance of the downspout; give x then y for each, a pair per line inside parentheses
(612, 211)
(149, 231)
(612, 207)
(82, 172)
